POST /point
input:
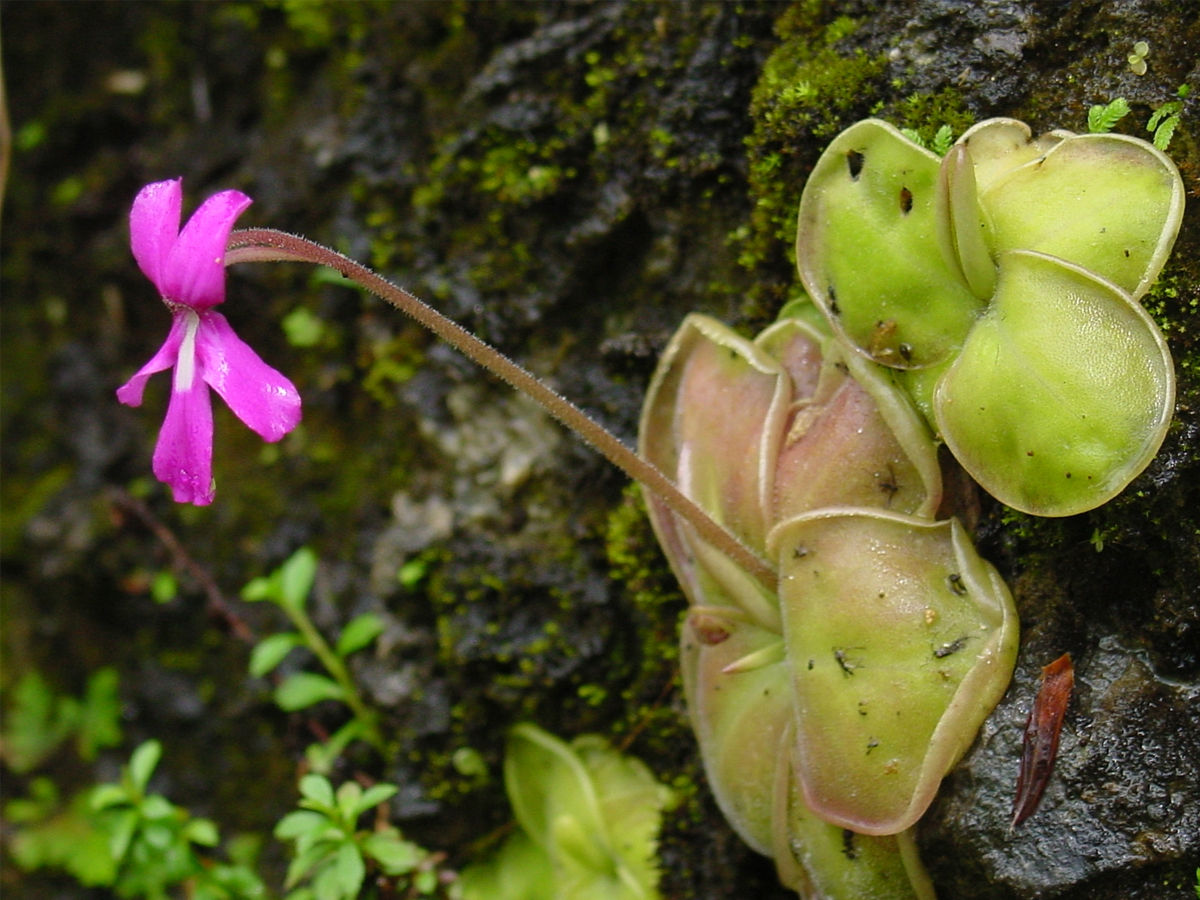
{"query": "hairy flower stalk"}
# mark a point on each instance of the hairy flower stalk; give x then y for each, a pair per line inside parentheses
(269, 245)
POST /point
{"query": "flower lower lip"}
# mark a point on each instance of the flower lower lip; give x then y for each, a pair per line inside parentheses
(185, 368)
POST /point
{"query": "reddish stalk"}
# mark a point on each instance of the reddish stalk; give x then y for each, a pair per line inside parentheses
(269, 245)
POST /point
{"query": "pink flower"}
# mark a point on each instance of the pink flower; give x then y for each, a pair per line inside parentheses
(188, 268)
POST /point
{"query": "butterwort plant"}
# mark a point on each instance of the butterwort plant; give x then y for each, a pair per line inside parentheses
(844, 640)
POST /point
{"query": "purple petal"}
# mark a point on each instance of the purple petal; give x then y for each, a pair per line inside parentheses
(183, 455)
(194, 274)
(130, 393)
(154, 226)
(260, 396)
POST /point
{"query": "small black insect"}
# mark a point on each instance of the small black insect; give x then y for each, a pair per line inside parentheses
(843, 660)
(956, 583)
(950, 648)
(848, 848)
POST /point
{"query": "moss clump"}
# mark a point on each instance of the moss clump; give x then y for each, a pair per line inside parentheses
(637, 564)
(925, 113)
(810, 89)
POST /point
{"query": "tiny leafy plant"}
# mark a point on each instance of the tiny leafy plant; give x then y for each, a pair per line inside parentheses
(39, 720)
(154, 843)
(134, 841)
(1103, 117)
(333, 856)
(1165, 119)
(288, 588)
(588, 820)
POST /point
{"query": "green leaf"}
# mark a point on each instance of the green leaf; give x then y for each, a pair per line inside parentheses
(303, 689)
(122, 825)
(318, 789)
(35, 725)
(263, 588)
(271, 650)
(157, 808)
(942, 140)
(299, 822)
(104, 796)
(879, 714)
(395, 855)
(71, 840)
(350, 869)
(348, 795)
(202, 832)
(546, 781)
(1043, 427)
(903, 306)
(520, 870)
(99, 714)
(1123, 199)
(296, 578)
(142, 764)
(1102, 118)
(164, 588)
(305, 862)
(373, 796)
(303, 328)
(358, 633)
(1165, 131)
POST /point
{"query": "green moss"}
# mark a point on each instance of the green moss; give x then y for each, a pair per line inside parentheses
(810, 89)
(638, 565)
(926, 113)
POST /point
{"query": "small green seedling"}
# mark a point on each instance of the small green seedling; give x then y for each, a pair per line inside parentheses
(153, 842)
(1166, 118)
(288, 588)
(333, 854)
(1104, 117)
(39, 720)
(589, 819)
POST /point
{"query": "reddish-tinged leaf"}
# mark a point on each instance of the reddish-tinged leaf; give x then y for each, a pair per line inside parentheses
(1041, 736)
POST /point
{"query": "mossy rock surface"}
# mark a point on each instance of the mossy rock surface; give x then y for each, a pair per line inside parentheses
(568, 180)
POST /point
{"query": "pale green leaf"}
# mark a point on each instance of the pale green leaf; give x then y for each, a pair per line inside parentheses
(303, 689)
(350, 868)
(373, 796)
(395, 855)
(299, 822)
(271, 650)
(317, 789)
(202, 832)
(358, 633)
(1103, 117)
(99, 716)
(296, 578)
(143, 762)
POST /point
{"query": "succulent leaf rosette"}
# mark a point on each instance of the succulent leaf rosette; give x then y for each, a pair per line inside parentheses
(1003, 280)
(829, 705)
